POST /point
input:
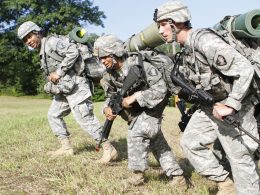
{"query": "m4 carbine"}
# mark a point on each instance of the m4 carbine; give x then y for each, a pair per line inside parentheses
(134, 76)
(201, 97)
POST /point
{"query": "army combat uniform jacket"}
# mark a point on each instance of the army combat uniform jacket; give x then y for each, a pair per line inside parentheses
(215, 66)
(151, 97)
(144, 119)
(72, 91)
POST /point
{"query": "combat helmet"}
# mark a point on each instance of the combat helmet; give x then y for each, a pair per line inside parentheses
(26, 28)
(174, 10)
(108, 45)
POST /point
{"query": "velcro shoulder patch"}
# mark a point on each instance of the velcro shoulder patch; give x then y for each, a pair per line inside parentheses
(222, 60)
(153, 72)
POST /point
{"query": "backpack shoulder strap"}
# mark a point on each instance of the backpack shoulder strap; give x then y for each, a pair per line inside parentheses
(239, 46)
(50, 52)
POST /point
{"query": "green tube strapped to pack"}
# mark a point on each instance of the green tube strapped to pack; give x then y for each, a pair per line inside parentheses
(242, 26)
(79, 35)
(147, 38)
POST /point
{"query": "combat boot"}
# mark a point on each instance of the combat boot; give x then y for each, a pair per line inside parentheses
(226, 187)
(135, 179)
(178, 181)
(109, 153)
(65, 149)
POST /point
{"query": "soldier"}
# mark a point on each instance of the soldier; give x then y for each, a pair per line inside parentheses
(213, 65)
(143, 110)
(71, 90)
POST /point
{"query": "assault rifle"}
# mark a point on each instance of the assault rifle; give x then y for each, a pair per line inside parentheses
(133, 78)
(198, 96)
(185, 115)
(201, 97)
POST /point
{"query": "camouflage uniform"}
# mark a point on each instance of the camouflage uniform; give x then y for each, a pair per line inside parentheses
(66, 64)
(144, 119)
(218, 68)
(72, 92)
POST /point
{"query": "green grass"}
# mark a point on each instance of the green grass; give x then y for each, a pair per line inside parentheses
(25, 137)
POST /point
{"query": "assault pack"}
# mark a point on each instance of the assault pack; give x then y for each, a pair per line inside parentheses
(86, 64)
(161, 62)
(242, 32)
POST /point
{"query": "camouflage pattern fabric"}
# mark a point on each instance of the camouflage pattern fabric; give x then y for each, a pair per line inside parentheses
(72, 92)
(107, 45)
(207, 59)
(144, 133)
(26, 28)
(174, 10)
(82, 112)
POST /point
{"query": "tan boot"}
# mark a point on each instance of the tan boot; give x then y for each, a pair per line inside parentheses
(226, 187)
(65, 149)
(136, 179)
(109, 153)
(178, 181)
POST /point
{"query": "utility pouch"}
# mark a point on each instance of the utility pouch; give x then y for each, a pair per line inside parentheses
(65, 85)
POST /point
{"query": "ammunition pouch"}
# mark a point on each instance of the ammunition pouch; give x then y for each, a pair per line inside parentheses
(130, 113)
(65, 85)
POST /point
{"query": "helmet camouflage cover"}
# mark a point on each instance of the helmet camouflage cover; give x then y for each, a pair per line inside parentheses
(108, 45)
(174, 10)
(26, 28)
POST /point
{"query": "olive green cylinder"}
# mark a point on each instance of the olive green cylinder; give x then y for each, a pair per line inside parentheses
(242, 26)
(79, 35)
(147, 38)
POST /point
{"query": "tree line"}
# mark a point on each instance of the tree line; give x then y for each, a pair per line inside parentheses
(20, 72)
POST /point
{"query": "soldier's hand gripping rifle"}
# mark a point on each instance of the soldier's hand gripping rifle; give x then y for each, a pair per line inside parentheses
(133, 77)
(201, 97)
(191, 94)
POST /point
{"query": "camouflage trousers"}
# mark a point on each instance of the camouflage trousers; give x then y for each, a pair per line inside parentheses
(82, 111)
(144, 135)
(200, 134)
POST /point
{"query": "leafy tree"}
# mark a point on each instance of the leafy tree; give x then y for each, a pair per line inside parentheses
(19, 67)
(98, 94)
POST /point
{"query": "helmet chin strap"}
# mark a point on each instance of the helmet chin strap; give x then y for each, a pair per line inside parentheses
(175, 31)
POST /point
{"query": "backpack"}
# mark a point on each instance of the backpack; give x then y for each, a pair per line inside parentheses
(248, 47)
(164, 64)
(87, 65)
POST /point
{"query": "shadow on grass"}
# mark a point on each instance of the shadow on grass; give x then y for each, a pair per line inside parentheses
(121, 147)
(213, 191)
(187, 169)
(83, 148)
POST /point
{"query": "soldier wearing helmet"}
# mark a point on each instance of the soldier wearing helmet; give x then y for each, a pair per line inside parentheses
(60, 57)
(171, 16)
(142, 109)
(216, 67)
(112, 47)
(31, 34)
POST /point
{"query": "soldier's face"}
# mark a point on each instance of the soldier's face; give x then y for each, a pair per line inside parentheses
(33, 40)
(107, 61)
(165, 30)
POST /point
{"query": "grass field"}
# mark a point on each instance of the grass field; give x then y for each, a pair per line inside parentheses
(25, 137)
